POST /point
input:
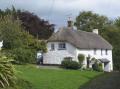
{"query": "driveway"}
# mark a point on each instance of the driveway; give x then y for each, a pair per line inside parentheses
(106, 81)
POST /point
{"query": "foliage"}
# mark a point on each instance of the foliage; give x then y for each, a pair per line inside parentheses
(97, 66)
(87, 21)
(70, 64)
(113, 35)
(81, 58)
(21, 84)
(23, 56)
(7, 72)
(21, 45)
(10, 32)
(36, 26)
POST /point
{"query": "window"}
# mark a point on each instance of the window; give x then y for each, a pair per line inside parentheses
(94, 51)
(106, 52)
(101, 52)
(62, 46)
(52, 47)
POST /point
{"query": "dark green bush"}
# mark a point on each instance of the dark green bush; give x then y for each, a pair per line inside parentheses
(81, 58)
(117, 66)
(23, 56)
(70, 64)
(97, 67)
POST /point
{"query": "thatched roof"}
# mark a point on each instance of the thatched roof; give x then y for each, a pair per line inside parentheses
(80, 39)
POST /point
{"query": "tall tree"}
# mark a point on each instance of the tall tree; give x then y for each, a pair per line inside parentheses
(32, 23)
(87, 21)
(17, 42)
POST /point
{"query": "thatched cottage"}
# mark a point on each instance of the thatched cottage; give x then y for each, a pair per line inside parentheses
(68, 42)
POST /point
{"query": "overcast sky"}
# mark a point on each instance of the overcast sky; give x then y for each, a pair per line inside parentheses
(57, 11)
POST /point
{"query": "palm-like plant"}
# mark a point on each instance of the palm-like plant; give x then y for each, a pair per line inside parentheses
(7, 72)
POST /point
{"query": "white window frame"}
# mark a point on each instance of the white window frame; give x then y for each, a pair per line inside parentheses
(106, 51)
(62, 46)
(52, 47)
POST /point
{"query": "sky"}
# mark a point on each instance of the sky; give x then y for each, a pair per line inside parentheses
(58, 11)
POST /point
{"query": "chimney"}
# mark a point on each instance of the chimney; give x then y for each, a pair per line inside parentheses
(95, 31)
(70, 23)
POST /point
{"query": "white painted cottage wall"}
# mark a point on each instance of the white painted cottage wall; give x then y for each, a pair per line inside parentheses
(56, 56)
(98, 55)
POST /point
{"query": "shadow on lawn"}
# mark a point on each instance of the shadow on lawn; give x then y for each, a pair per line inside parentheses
(104, 81)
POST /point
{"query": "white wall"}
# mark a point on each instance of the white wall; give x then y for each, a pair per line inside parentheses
(98, 55)
(56, 56)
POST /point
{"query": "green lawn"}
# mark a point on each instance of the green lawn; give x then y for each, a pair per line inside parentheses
(42, 78)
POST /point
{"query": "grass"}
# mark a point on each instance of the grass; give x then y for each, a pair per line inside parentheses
(42, 78)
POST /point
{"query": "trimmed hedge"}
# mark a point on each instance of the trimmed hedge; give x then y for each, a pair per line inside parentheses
(70, 64)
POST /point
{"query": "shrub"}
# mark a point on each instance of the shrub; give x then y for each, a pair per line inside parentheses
(97, 66)
(117, 66)
(81, 58)
(7, 72)
(70, 64)
(23, 56)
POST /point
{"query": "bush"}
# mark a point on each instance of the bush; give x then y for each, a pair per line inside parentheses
(81, 58)
(70, 64)
(97, 67)
(7, 72)
(117, 66)
(23, 56)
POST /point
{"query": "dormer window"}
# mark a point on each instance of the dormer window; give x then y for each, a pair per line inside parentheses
(61, 46)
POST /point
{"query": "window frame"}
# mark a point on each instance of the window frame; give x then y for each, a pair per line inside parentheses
(106, 51)
(52, 47)
(62, 46)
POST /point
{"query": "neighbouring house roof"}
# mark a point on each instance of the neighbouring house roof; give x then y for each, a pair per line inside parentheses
(80, 39)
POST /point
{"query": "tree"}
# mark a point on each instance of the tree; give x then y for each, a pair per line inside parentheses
(17, 42)
(117, 22)
(36, 26)
(87, 21)
(10, 32)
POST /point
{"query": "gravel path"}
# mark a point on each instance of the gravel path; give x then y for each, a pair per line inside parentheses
(106, 81)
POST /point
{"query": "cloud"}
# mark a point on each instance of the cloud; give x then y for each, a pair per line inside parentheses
(57, 11)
